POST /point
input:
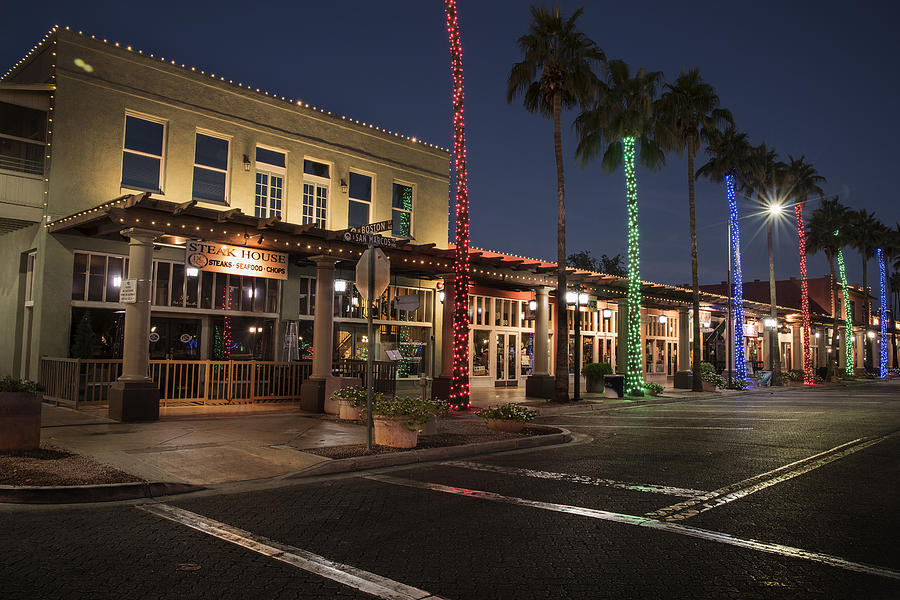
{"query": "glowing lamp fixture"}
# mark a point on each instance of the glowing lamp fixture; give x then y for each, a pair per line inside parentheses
(871, 335)
(192, 271)
(817, 335)
(253, 330)
(570, 297)
(775, 209)
(441, 296)
(340, 286)
(607, 313)
(532, 305)
(663, 319)
(117, 282)
(770, 323)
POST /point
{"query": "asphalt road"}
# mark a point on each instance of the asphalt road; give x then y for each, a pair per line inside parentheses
(792, 494)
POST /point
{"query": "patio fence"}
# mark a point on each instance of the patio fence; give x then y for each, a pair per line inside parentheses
(76, 382)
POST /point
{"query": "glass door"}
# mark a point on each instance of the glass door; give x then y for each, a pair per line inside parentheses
(507, 373)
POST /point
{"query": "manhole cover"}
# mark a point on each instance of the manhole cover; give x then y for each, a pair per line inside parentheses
(187, 567)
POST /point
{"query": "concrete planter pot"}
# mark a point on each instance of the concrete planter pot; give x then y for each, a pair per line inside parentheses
(708, 387)
(20, 421)
(348, 412)
(594, 385)
(506, 425)
(395, 432)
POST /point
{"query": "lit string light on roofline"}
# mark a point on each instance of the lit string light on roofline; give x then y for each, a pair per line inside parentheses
(50, 36)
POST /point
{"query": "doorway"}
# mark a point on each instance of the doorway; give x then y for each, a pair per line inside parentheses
(507, 372)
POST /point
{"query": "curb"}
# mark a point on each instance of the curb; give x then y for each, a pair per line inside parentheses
(69, 494)
(363, 463)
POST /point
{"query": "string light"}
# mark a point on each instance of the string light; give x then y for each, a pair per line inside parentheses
(634, 375)
(459, 383)
(737, 299)
(808, 377)
(848, 318)
(882, 314)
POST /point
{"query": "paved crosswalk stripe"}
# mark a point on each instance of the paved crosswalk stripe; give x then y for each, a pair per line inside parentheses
(370, 583)
(694, 532)
(579, 426)
(571, 478)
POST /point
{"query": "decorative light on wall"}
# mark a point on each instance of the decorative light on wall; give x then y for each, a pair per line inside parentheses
(808, 376)
(459, 383)
(848, 318)
(737, 298)
(882, 314)
(634, 372)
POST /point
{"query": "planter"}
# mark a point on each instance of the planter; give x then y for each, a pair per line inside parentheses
(395, 432)
(429, 428)
(594, 385)
(507, 425)
(20, 421)
(348, 412)
(708, 387)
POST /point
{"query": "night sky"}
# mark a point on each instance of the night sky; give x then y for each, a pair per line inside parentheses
(811, 78)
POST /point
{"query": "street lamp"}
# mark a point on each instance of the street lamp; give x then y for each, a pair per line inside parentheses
(578, 299)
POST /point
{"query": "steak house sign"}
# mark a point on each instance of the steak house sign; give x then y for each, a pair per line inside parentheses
(237, 260)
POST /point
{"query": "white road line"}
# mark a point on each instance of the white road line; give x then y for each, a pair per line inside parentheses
(579, 426)
(570, 478)
(370, 583)
(700, 418)
(687, 530)
(736, 491)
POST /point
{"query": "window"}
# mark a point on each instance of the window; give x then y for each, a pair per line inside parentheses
(269, 182)
(29, 278)
(210, 168)
(360, 199)
(316, 182)
(142, 156)
(401, 212)
(97, 277)
(22, 139)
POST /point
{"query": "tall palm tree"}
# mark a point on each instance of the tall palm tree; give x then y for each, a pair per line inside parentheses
(557, 72)
(690, 108)
(765, 171)
(802, 180)
(863, 234)
(821, 227)
(728, 155)
(623, 119)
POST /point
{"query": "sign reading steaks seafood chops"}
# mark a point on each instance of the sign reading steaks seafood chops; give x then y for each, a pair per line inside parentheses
(237, 260)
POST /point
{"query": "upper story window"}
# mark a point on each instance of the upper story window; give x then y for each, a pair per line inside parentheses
(360, 199)
(316, 185)
(401, 211)
(29, 278)
(22, 138)
(142, 156)
(269, 182)
(211, 168)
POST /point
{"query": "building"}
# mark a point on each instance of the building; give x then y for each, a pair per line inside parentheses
(141, 195)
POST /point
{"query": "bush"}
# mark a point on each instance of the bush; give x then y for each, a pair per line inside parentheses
(413, 408)
(794, 375)
(709, 375)
(355, 395)
(654, 389)
(11, 384)
(507, 412)
(596, 370)
(737, 384)
(437, 407)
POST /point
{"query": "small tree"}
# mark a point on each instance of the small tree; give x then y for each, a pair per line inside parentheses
(83, 345)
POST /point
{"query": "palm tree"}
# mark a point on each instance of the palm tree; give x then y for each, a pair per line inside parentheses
(624, 118)
(690, 107)
(765, 170)
(823, 235)
(728, 156)
(556, 72)
(863, 234)
(802, 180)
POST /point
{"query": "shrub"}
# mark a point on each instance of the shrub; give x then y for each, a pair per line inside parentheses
(794, 375)
(11, 384)
(654, 389)
(507, 412)
(413, 408)
(738, 384)
(437, 407)
(596, 370)
(709, 375)
(355, 395)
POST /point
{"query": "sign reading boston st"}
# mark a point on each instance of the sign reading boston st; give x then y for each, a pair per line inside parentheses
(237, 260)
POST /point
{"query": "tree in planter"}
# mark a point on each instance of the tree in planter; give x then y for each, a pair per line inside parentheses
(83, 345)
(594, 373)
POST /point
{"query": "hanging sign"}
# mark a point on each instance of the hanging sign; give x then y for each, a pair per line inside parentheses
(237, 260)
(407, 302)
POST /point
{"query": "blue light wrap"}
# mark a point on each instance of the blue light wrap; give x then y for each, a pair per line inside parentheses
(882, 314)
(737, 299)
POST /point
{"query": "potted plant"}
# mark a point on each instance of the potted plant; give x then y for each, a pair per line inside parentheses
(20, 414)
(711, 380)
(507, 417)
(436, 408)
(653, 389)
(352, 402)
(594, 374)
(397, 420)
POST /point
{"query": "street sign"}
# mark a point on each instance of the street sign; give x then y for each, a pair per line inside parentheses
(371, 228)
(128, 291)
(381, 274)
(368, 238)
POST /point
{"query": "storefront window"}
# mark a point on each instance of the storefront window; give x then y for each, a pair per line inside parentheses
(79, 272)
(411, 342)
(481, 352)
(161, 270)
(96, 278)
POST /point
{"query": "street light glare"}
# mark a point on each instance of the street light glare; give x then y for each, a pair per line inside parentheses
(775, 209)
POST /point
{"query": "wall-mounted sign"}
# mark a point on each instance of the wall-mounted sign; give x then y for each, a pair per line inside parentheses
(185, 338)
(154, 337)
(128, 291)
(237, 260)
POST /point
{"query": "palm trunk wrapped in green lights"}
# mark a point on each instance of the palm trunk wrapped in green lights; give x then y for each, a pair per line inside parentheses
(848, 316)
(634, 377)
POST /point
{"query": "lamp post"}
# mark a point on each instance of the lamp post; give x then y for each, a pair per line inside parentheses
(774, 210)
(578, 299)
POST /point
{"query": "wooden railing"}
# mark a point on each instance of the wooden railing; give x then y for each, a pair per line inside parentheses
(74, 381)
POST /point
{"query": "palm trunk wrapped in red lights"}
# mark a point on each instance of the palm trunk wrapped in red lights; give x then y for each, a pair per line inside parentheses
(459, 384)
(808, 375)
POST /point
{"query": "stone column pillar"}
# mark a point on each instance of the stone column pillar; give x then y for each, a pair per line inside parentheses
(684, 340)
(622, 337)
(134, 396)
(440, 387)
(822, 358)
(540, 383)
(312, 393)
(797, 346)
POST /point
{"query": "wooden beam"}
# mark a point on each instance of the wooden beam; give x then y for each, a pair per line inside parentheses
(183, 207)
(266, 223)
(227, 215)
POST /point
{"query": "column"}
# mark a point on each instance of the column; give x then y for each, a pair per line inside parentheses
(797, 346)
(440, 387)
(622, 339)
(822, 358)
(134, 396)
(540, 383)
(312, 393)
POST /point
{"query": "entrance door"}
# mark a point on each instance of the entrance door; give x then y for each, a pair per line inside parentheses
(507, 374)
